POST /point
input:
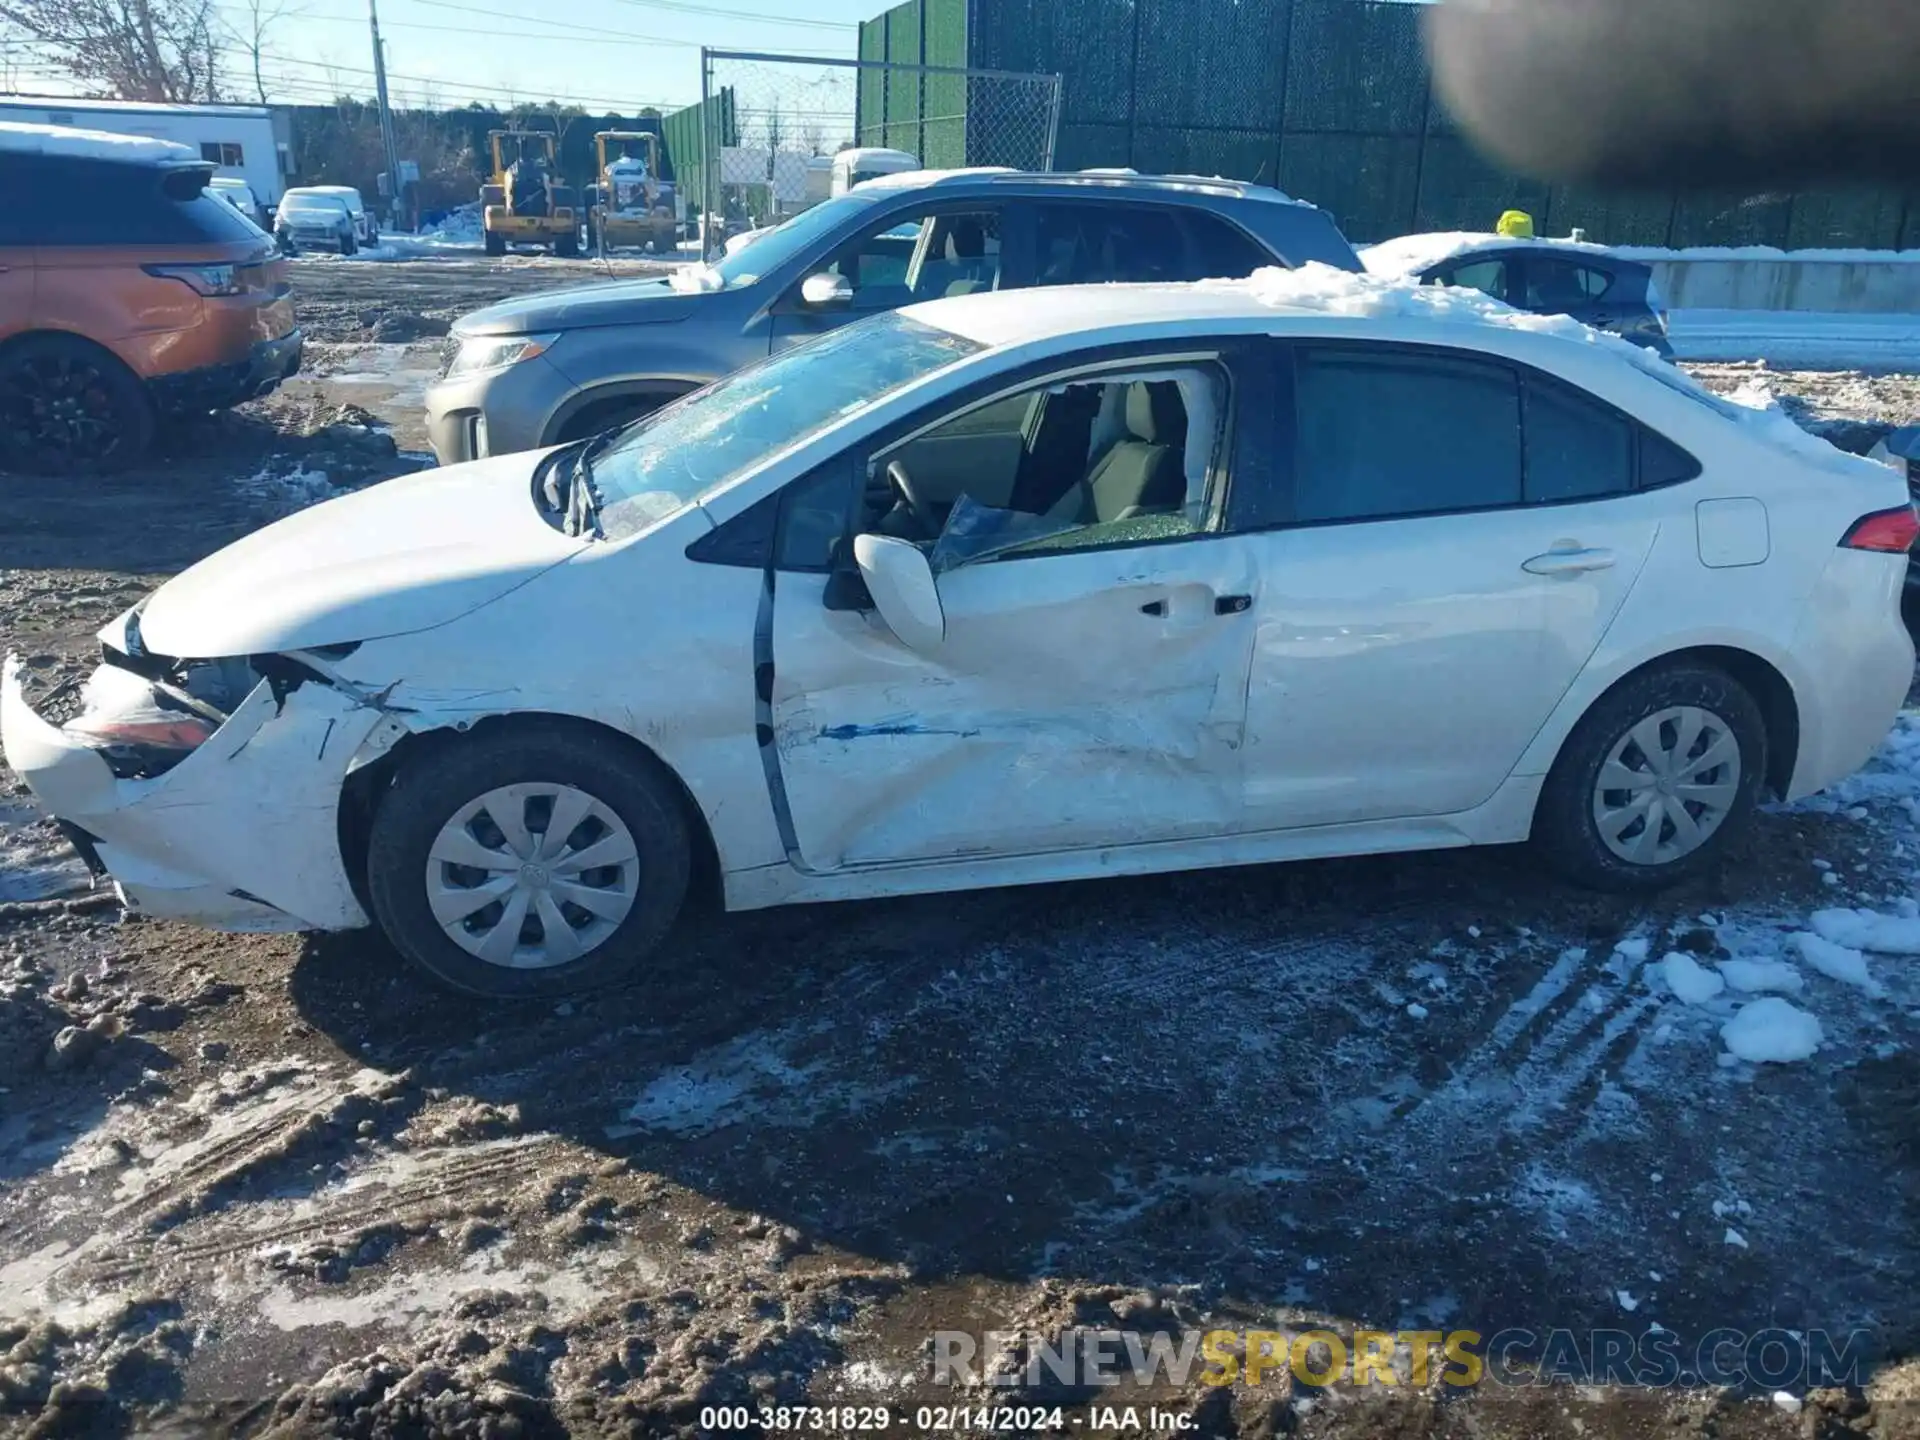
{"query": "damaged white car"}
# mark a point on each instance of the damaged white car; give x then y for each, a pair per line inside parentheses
(1007, 588)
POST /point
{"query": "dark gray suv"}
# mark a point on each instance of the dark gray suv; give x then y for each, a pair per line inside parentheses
(570, 363)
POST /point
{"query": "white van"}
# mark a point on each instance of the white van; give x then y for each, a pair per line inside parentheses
(850, 167)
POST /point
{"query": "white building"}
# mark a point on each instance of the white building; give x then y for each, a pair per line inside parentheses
(244, 141)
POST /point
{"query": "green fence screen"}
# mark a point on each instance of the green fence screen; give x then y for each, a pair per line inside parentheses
(1328, 99)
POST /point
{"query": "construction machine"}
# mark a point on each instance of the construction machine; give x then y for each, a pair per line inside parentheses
(525, 202)
(630, 204)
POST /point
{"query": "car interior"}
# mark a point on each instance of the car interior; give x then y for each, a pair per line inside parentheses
(1127, 454)
(961, 256)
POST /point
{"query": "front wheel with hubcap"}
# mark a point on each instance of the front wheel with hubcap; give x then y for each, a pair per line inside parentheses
(1654, 781)
(529, 862)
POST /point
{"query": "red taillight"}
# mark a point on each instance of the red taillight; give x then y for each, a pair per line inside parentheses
(1890, 531)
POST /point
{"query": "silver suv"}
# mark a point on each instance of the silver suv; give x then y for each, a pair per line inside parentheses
(565, 364)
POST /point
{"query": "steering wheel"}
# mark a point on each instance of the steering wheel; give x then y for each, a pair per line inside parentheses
(910, 496)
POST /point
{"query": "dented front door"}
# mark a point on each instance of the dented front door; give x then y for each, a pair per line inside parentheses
(1079, 700)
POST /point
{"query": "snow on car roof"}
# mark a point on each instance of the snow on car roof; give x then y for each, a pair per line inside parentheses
(1010, 317)
(69, 143)
(1412, 254)
(914, 179)
(1315, 291)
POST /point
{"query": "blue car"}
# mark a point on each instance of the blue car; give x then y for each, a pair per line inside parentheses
(1548, 277)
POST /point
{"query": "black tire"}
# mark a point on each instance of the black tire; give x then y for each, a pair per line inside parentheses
(567, 246)
(496, 244)
(349, 244)
(608, 415)
(1565, 830)
(67, 406)
(429, 792)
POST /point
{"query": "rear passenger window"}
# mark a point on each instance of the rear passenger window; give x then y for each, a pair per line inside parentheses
(1664, 463)
(1489, 277)
(103, 203)
(1089, 244)
(1220, 252)
(1382, 434)
(1562, 285)
(1576, 450)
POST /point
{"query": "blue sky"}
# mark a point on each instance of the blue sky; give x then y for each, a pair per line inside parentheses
(605, 54)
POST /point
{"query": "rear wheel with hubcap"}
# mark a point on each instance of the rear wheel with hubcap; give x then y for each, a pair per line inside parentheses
(1654, 781)
(66, 405)
(529, 862)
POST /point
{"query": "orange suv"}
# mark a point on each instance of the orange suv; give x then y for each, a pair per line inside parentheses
(127, 293)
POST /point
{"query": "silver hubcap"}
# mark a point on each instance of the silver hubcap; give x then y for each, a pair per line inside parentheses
(1667, 785)
(529, 876)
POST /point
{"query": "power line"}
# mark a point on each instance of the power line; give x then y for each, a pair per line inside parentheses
(512, 93)
(718, 12)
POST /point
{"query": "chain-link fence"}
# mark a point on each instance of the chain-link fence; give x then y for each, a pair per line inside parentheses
(773, 126)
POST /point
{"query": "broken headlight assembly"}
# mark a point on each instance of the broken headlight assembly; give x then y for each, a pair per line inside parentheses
(144, 724)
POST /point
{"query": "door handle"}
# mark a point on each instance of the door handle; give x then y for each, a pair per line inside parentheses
(1568, 562)
(1232, 604)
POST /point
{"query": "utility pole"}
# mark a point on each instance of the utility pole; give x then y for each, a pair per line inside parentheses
(386, 114)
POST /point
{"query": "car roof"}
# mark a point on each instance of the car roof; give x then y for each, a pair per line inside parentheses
(1272, 301)
(1413, 254)
(1063, 181)
(67, 142)
(338, 191)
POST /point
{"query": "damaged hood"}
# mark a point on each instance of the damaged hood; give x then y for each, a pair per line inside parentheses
(627, 302)
(405, 555)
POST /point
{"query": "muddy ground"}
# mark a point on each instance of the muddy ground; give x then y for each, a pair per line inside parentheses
(281, 1186)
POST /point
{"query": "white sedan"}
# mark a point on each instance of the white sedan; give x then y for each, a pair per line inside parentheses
(1009, 588)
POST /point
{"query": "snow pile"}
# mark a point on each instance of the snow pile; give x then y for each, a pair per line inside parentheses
(1772, 1031)
(1837, 962)
(1691, 982)
(458, 227)
(1756, 406)
(697, 280)
(292, 491)
(1412, 254)
(1756, 977)
(70, 144)
(1865, 930)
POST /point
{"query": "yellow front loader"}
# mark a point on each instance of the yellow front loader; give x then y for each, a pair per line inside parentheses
(630, 205)
(525, 202)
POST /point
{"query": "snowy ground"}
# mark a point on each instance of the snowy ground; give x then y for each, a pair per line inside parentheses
(274, 1183)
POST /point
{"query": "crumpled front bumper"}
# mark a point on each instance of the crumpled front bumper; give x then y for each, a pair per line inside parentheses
(243, 834)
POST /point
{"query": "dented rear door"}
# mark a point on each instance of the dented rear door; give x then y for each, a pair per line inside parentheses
(1080, 700)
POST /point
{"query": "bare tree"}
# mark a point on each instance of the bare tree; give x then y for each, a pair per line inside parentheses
(250, 28)
(132, 49)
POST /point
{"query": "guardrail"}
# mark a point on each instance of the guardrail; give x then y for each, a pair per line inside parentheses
(1835, 282)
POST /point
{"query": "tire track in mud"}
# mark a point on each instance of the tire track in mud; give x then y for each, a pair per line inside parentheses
(1553, 1049)
(360, 1200)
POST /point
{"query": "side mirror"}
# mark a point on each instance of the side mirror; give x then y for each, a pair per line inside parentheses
(901, 583)
(823, 292)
